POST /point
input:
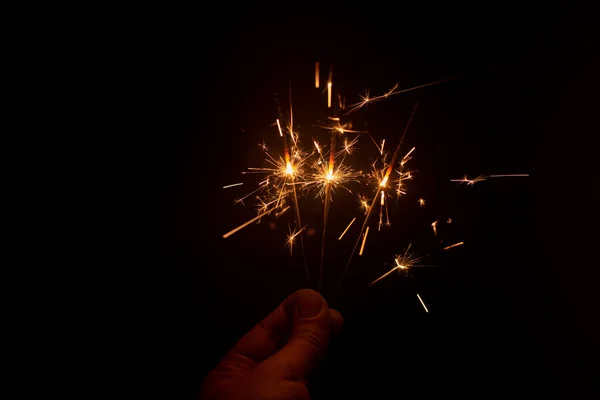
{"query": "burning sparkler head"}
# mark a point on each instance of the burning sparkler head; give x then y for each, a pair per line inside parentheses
(289, 169)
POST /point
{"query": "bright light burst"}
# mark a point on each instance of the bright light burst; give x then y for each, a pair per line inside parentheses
(290, 172)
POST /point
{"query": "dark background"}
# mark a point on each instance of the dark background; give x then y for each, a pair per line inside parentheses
(511, 311)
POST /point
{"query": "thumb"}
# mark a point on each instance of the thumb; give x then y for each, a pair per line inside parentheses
(309, 337)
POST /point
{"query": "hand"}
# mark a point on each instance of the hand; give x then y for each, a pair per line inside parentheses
(274, 359)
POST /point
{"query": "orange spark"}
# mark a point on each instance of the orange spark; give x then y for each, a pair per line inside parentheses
(454, 245)
(362, 247)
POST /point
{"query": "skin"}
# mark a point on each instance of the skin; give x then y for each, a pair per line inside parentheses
(273, 361)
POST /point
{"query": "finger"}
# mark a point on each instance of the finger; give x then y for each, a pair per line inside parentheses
(267, 337)
(337, 321)
(309, 337)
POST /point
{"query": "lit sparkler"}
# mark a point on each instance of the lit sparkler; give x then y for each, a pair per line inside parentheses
(324, 169)
(381, 186)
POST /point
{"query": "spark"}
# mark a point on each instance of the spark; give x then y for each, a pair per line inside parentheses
(329, 176)
(433, 225)
(335, 126)
(469, 182)
(294, 172)
(349, 146)
(382, 276)
(449, 221)
(366, 99)
(364, 203)
(280, 213)
(259, 216)
(402, 176)
(317, 146)
(454, 245)
(403, 263)
(421, 300)
(348, 227)
(379, 148)
(391, 91)
(235, 184)
(384, 180)
(289, 173)
(480, 178)
(362, 247)
(408, 154)
(292, 237)
(505, 176)
(382, 202)
(241, 200)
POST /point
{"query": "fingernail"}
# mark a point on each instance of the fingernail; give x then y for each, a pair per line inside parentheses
(309, 305)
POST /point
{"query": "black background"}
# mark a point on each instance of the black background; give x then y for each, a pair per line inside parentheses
(511, 311)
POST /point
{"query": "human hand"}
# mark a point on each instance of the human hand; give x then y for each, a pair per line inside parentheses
(274, 359)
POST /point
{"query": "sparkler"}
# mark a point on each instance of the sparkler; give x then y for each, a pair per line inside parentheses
(380, 187)
(294, 172)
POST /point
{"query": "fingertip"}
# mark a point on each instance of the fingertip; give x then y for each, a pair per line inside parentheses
(309, 303)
